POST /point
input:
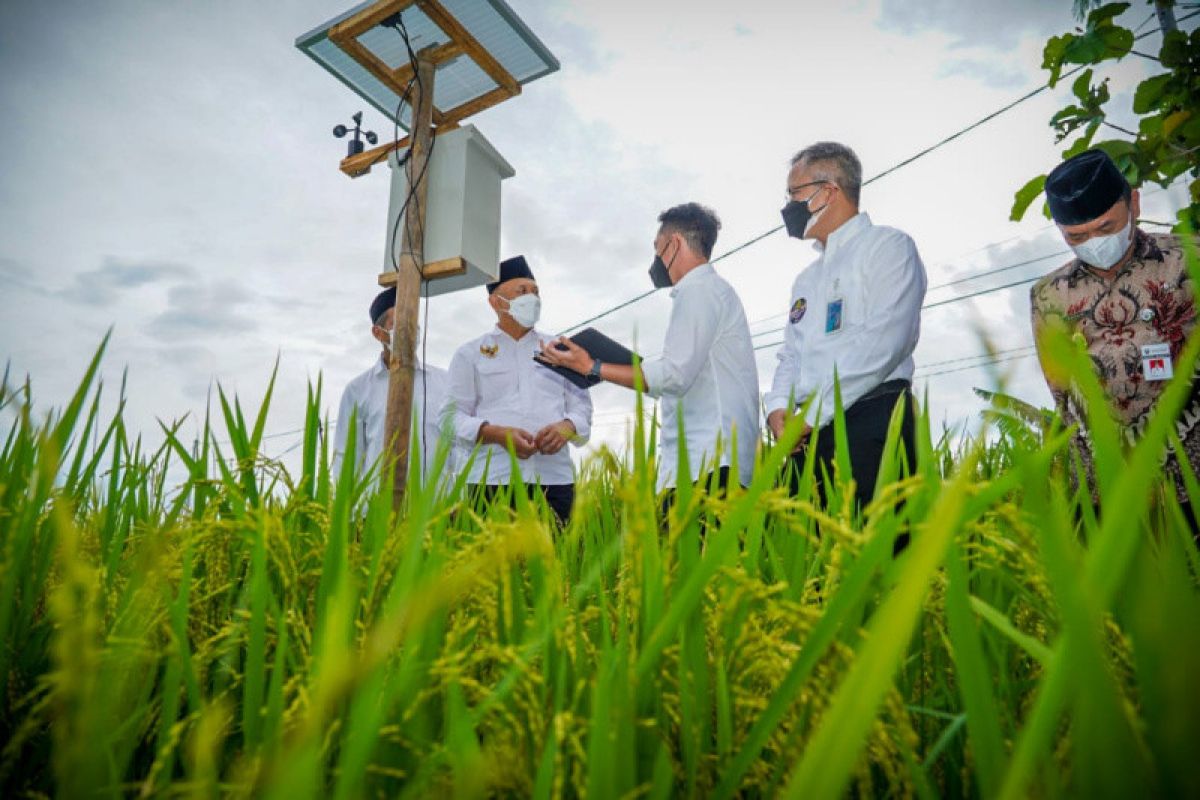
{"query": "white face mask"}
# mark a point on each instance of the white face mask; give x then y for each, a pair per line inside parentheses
(391, 332)
(526, 309)
(1103, 252)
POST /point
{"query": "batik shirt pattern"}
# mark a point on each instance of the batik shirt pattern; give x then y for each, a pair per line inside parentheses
(1150, 300)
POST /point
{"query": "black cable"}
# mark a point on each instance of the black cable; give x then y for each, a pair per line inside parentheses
(400, 27)
(961, 297)
(998, 270)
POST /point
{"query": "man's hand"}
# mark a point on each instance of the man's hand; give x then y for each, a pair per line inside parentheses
(522, 441)
(555, 436)
(574, 357)
(777, 420)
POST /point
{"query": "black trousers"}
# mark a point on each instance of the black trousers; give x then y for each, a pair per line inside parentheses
(560, 497)
(718, 479)
(866, 433)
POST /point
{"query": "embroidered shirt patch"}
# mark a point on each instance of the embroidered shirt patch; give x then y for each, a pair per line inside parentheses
(798, 309)
(489, 351)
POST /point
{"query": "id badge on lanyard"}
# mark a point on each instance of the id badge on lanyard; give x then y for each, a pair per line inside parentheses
(833, 316)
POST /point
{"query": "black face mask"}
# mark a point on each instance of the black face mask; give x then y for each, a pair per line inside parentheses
(660, 272)
(796, 215)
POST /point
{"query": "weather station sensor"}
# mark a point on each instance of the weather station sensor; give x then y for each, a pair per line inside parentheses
(427, 65)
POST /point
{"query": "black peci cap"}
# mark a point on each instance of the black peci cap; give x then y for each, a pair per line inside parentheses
(1084, 187)
(515, 267)
(382, 302)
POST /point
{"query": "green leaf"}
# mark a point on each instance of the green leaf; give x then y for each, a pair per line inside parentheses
(1174, 121)
(1052, 56)
(1174, 51)
(1026, 195)
(1102, 40)
(1106, 14)
(1082, 87)
(1149, 92)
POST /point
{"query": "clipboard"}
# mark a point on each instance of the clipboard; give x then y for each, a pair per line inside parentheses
(598, 346)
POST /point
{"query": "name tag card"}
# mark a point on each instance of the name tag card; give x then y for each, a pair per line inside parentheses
(1156, 362)
(833, 316)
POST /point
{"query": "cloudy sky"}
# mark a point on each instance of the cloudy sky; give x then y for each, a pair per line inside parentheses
(168, 171)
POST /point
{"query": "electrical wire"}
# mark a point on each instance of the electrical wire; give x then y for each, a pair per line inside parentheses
(943, 142)
(990, 363)
(978, 356)
(397, 22)
(754, 240)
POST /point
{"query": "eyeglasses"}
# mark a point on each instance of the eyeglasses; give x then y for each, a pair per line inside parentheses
(791, 192)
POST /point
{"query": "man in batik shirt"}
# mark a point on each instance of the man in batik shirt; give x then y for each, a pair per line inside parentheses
(1127, 293)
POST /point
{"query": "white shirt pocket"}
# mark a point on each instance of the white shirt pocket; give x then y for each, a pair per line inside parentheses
(547, 392)
(497, 383)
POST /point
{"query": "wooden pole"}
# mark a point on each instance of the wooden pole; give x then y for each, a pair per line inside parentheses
(398, 423)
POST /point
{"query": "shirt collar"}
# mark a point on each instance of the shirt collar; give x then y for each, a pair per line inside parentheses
(847, 231)
(701, 271)
(531, 335)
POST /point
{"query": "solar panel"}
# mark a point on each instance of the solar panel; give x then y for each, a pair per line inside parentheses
(376, 66)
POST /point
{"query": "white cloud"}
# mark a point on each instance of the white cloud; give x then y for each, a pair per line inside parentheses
(196, 138)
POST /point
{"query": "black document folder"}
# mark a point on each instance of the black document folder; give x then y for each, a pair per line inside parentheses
(598, 346)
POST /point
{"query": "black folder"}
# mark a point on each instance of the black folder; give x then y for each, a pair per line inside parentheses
(598, 346)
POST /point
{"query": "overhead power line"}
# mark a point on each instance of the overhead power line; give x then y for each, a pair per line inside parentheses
(921, 154)
(989, 363)
(992, 354)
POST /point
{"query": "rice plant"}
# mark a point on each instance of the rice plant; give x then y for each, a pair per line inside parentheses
(251, 632)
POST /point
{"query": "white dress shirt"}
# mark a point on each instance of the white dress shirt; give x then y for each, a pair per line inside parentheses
(494, 379)
(707, 374)
(368, 394)
(874, 276)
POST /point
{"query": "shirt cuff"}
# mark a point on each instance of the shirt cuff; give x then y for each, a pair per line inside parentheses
(654, 375)
(583, 428)
(466, 428)
(773, 402)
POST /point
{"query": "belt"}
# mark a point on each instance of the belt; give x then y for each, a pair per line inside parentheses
(884, 389)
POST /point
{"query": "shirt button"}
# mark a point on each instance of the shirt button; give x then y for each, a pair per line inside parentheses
(1146, 314)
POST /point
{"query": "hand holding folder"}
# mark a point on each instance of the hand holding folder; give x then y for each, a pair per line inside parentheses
(598, 346)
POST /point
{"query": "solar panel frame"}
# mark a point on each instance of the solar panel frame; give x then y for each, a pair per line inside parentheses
(524, 57)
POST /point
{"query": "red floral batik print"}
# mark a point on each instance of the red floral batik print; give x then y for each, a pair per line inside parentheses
(1115, 318)
(1174, 314)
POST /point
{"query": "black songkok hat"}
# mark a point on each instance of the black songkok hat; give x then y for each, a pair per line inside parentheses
(382, 302)
(1084, 187)
(510, 268)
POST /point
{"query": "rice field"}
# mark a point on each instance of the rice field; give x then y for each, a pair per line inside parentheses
(253, 632)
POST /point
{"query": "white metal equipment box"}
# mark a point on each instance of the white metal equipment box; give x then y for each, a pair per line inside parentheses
(462, 209)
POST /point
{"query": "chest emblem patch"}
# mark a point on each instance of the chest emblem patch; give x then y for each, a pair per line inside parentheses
(798, 309)
(489, 351)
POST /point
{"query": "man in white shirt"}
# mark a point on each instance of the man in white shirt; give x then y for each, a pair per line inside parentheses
(856, 310)
(706, 372)
(502, 398)
(365, 399)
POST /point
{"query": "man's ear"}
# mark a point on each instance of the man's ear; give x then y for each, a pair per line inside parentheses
(1135, 205)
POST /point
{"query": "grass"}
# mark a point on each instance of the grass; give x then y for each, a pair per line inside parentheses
(255, 632)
